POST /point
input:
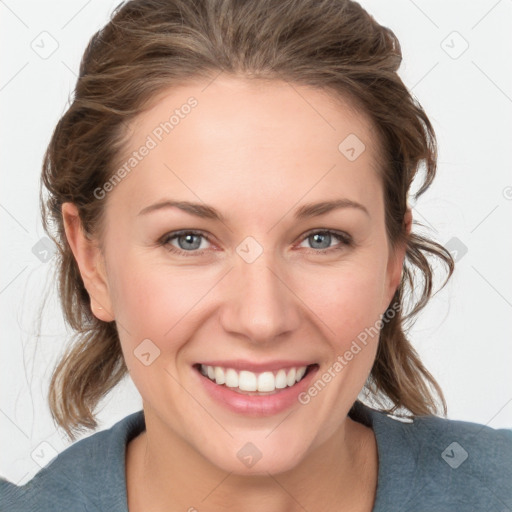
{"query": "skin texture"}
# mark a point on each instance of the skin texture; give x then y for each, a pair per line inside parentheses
(255, 151)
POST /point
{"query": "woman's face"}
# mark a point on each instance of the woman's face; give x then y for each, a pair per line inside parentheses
(248, 274)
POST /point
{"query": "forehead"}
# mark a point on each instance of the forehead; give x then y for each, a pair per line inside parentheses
(249, 137)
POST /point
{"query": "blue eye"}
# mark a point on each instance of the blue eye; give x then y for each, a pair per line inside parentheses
(321, 240)
(190, 243)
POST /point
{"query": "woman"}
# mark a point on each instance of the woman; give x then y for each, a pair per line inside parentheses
(230, 195)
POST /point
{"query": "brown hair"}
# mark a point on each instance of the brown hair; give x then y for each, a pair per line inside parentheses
(151, 45)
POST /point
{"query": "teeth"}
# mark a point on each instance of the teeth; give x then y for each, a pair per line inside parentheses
(290, 377)
(281, 379)
(249, 381)
(220, 376)
(300, 373)
(266, 381)
(231, 378)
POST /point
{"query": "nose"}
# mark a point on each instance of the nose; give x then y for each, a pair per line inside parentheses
(261, 305)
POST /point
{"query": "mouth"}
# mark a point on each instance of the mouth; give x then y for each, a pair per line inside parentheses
(263, 383)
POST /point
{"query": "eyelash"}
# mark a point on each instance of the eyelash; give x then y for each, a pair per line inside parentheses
(344, 238)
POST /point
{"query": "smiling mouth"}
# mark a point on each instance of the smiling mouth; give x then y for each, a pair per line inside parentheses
(251, 383)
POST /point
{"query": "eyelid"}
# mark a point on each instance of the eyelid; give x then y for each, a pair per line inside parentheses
(344, 238)
(343, 235)
(165, 240)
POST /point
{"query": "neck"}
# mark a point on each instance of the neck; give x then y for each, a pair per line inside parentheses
(340, 474)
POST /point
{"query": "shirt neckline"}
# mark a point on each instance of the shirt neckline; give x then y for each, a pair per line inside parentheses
(382, 425)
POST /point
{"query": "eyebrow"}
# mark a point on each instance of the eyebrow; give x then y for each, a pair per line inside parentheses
(208, 212)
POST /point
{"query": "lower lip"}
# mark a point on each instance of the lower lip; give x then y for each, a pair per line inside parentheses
(256, 405)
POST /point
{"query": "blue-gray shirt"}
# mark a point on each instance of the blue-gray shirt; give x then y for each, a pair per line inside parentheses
(428, 465)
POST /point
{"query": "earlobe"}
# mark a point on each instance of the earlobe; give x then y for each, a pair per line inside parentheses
(90, 262)
(396, 260)
(408, 221)
(395, 266)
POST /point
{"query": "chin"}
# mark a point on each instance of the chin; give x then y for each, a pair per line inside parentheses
(247, 458)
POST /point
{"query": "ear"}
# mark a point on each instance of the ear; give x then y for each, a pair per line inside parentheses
(396, 261)
(408, 221)
(90, 262)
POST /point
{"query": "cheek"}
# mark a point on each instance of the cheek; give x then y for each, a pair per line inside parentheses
(155, 314)
(158, 303)
(348, 301)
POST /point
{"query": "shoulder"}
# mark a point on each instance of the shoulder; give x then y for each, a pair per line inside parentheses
(86, 476)
(445, 464)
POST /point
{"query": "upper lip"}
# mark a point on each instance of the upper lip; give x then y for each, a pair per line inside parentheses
(257, 367)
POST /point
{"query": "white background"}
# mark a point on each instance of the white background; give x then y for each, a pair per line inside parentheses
(464, 336)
